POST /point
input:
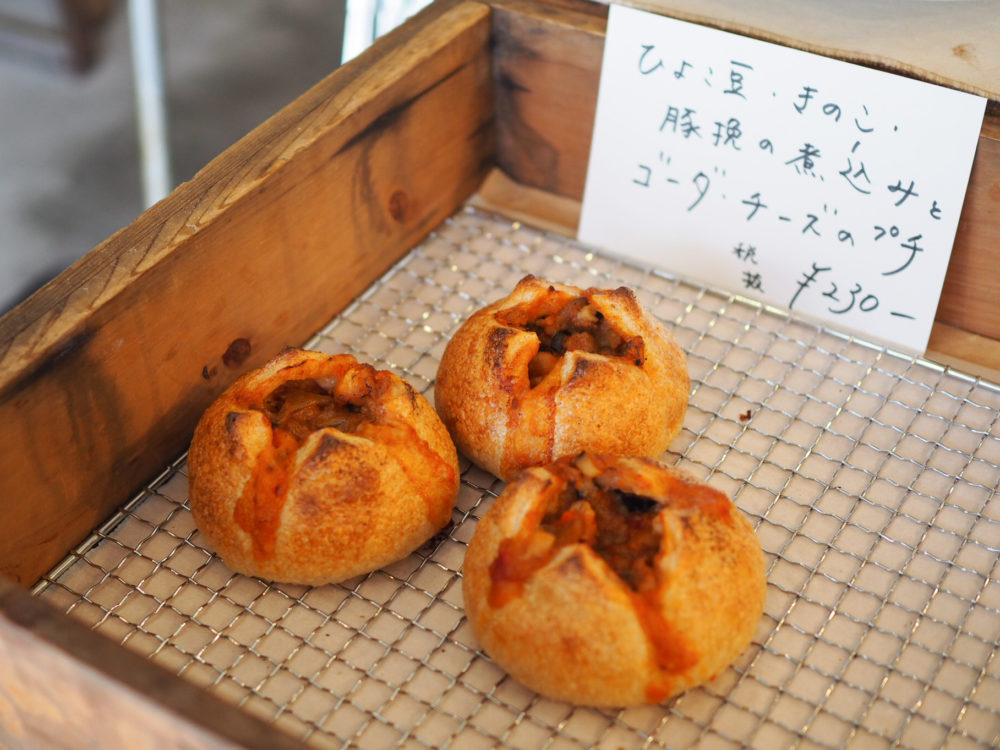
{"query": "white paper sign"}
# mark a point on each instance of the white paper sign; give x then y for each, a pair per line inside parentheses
(812, 184)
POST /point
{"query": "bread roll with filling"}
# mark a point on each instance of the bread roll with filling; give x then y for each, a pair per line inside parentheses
(552, 370)
(613, 581)
(316, 468)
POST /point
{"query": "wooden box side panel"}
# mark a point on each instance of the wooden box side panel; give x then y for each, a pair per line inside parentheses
(104, 373)
(969, 297)
(544, 52)
(64, 686)
(547, 63)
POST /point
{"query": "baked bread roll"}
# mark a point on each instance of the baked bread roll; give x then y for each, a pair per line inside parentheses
(552, 370)
(612, 581)
(316, 468)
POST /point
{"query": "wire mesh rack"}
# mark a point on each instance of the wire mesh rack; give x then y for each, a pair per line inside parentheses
(870, 477)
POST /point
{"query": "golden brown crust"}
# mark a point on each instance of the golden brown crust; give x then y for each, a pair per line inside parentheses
(505, 413)
(558, 617)
(316, 468)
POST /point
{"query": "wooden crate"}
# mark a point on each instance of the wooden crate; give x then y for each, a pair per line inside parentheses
(104, 372)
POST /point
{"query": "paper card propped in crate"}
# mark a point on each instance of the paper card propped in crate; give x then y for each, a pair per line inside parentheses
(807, 183)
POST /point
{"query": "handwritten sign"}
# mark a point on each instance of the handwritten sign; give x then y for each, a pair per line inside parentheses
(815, 185)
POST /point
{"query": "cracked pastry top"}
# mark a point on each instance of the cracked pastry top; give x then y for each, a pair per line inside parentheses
(552, 370)
(316, 468)
(613, 581)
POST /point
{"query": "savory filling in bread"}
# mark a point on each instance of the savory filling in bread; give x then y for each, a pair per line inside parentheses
(569, 325)
(296, 409)
(300, 407)
(623, 528)
(551, 370)
(612, 580)
(316, 467)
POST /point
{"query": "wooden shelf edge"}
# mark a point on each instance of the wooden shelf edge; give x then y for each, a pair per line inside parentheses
(964, 350)
(58, 675)
(537, 208)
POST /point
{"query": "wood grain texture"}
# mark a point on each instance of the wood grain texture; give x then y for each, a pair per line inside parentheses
(105, 371)
(544, 52)
(969, 299)
(970, 352)
(63, 686)
(547, 62)
(536, 208)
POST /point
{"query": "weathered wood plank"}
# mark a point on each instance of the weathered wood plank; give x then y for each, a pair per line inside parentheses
(969, 297)
(63, 686)
(104, 373)
(970, 352)
(547, 61)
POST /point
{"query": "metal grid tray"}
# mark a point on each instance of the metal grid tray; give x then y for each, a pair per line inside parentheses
(871, 479)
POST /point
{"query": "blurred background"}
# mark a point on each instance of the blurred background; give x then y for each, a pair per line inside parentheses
(70, 166)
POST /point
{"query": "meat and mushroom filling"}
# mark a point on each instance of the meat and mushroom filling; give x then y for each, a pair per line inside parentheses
(622, 528)
(300, 407)
(570, 325)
